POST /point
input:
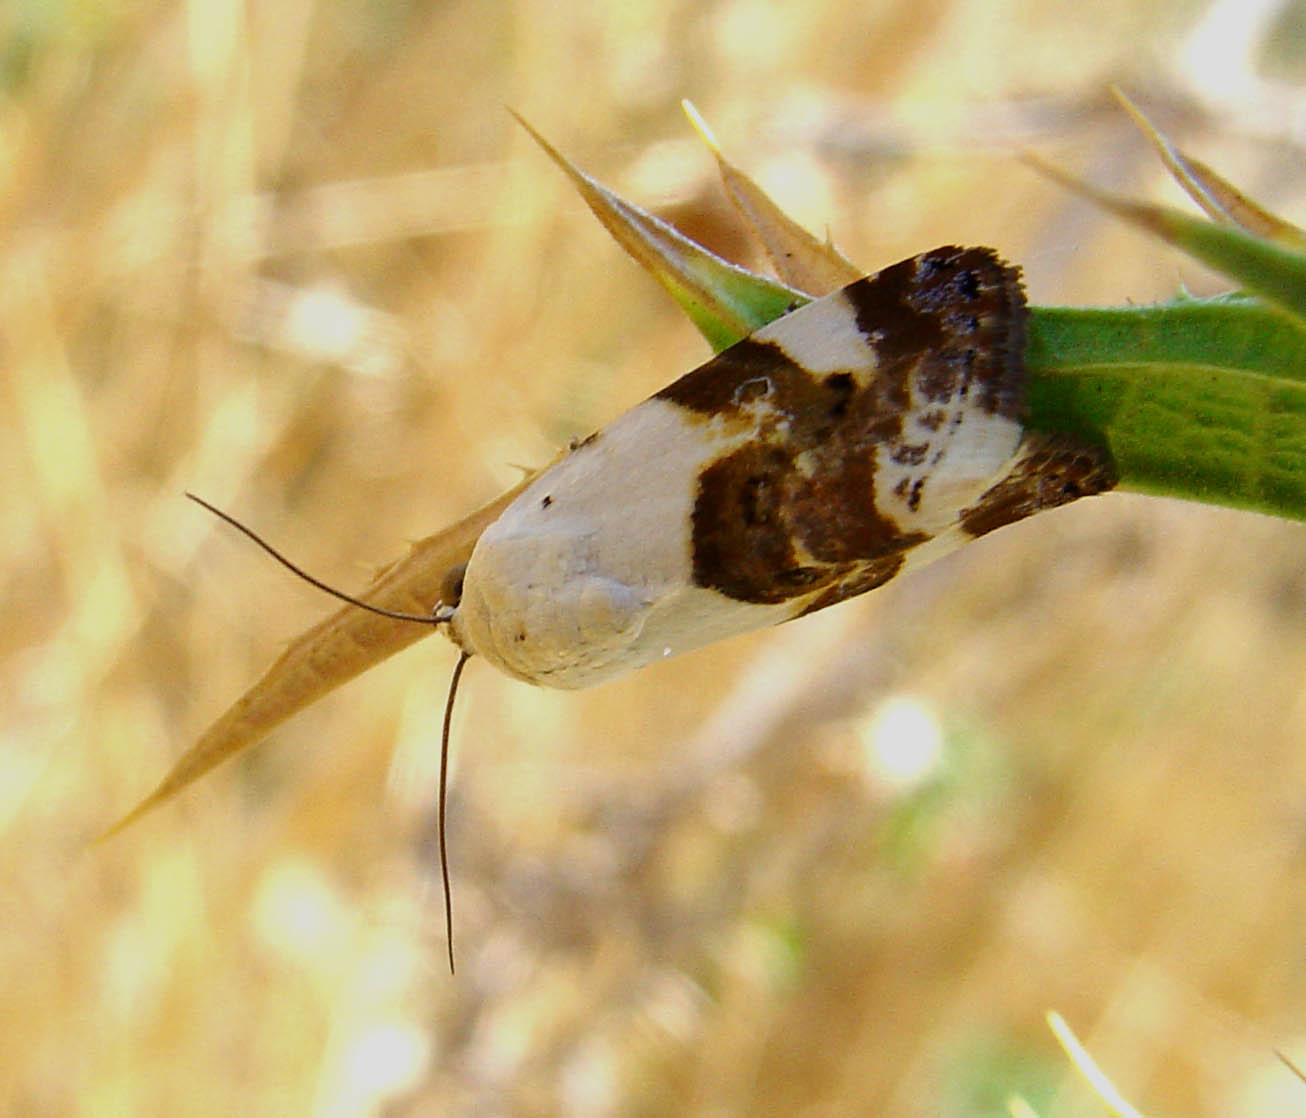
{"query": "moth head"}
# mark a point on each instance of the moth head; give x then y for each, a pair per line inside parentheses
(452, 611)
(451, 596)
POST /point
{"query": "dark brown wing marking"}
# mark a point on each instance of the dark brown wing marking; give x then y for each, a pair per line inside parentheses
(963, 311)
(793, 511)
(1052, 471)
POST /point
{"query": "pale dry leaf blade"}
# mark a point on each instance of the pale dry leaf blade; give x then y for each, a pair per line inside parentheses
(813, 266)
(329, 654)
(1219, 198)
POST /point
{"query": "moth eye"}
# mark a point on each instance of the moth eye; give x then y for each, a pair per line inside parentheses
(451, 586)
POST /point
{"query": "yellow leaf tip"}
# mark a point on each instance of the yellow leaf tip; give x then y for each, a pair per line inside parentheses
(531, 130)
(165, 791)
(567, 167)
(701, 126)
(114, 830)
(1125, 101)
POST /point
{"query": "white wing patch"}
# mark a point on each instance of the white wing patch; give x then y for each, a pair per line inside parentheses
(823, 338)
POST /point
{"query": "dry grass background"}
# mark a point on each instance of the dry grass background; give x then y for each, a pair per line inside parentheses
(298, 258)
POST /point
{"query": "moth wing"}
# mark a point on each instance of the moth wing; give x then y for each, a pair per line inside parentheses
(877, 416)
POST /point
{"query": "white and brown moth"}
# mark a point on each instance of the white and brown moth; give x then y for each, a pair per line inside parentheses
(856, 437)
(861, 435)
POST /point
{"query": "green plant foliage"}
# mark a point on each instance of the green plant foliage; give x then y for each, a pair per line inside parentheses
(1201, 399)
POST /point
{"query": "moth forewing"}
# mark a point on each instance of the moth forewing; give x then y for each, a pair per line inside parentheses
(802, 466)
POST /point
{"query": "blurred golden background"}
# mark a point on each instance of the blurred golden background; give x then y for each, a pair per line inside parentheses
(299, 259)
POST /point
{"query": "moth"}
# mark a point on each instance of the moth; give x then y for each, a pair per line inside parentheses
(852, 439)
(855, 438)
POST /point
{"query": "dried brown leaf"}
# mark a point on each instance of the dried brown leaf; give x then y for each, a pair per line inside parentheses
(330, 654)
(812, 266)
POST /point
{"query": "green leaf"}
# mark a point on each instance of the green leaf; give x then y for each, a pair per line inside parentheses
(1200, 399)
(725, 302)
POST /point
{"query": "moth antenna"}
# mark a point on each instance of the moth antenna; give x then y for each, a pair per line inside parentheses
(463, 657)
(1291, 1066)
(424, 619)
(432, 619)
